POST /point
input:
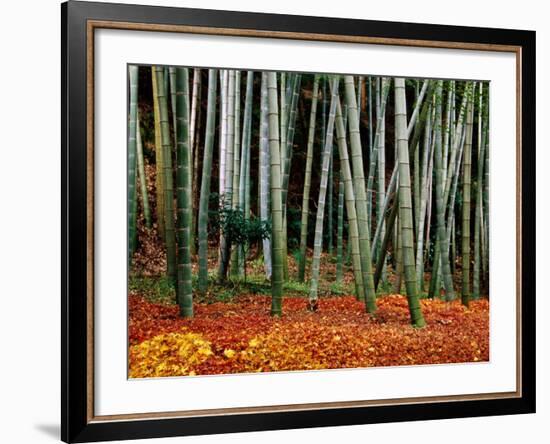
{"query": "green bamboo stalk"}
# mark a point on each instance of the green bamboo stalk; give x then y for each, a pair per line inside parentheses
(424, 179)
(479, 196)
(360, 195)
(170, 84)
(439, 192)
(457, 131)
(318, 240)
(265, 180)
(293, 93)
(381, 183)
(428, 217)
(447, 126)
(276, 198)
(244, 173)
(398, 244)
(132, 142)
(405, 207)
(236, 255)
(307, 181)
(194, 162)
(379, 234)
(417, 126)
(340, 232)
(456, 149)
(349, 196)
(378, 144)
(371, 132)
(224, 81)
(466, 184)
(384, 246)
(236, 194)
(142, 178)
(227, 198)
(283, 119)
(330, 209)
(434, 284)
(485, 261)
(418, 103)
(205, 181)
(184, 288)
(167, 175)
(158, 159)
(195, 98)
(417, 182)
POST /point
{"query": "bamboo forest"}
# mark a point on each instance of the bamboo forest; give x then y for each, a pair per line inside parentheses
(285, 221)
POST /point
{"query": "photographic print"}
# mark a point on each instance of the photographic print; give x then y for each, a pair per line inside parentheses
(282, 221)
(279, 221)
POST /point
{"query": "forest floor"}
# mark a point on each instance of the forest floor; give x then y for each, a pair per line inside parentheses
(232, 330)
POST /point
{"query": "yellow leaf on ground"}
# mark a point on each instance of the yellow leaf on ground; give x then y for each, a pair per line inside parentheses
(229, 353)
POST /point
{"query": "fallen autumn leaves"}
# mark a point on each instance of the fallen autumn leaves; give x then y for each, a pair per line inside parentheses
(241, 336)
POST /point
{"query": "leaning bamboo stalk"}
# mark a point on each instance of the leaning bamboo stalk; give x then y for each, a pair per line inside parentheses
(340, 232)
(384, 245)
(439, 192)
(307, 181)
(196, 171)
(380, 224)
(236, 193)
(292, 96)
(349, 196)
(244, 173)
(434, 284)
(427, 163)
(360, 195)
(377, 144)
(318, 240)
(381, 184)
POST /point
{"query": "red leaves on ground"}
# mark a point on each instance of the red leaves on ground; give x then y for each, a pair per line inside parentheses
(242, 336)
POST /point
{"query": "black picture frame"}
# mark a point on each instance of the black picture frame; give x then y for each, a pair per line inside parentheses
(76, 423)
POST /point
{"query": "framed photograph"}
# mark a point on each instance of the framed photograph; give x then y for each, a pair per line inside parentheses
(275, 221)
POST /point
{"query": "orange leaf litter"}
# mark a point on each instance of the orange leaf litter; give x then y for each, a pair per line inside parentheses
(242, 337)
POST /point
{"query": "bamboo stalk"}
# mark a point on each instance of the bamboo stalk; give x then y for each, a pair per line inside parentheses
(405, 204)
(206, 180)
(167, 175)
(132, 161)
(307, 181)
(184, 288)
(276, 198)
